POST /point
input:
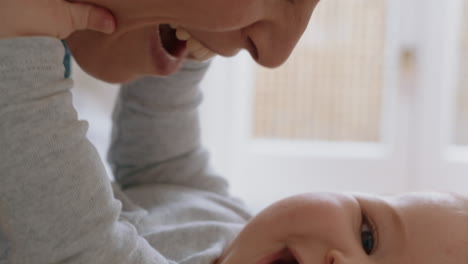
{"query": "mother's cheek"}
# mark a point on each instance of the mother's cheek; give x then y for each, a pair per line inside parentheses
(86, 49)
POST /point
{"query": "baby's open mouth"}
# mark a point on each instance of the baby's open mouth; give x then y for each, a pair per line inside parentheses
(284, 256)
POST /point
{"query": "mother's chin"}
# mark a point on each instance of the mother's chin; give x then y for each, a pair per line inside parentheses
(116, 58)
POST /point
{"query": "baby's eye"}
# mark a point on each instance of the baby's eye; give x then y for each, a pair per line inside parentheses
(367, 235)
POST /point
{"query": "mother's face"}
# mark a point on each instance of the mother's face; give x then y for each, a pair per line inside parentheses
(268, 29)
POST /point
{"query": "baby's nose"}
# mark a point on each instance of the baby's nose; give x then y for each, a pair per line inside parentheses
(334, 257)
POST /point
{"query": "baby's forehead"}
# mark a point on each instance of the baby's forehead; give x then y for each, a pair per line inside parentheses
(424, 211)
(435, 222)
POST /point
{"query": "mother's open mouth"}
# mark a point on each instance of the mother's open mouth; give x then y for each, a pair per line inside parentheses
(167, 51)
(284, 256)
(170, 45)
(170, 42)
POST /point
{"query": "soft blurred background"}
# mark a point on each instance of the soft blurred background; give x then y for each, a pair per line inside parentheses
(374, 99)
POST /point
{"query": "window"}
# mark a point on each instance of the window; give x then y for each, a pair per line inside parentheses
(373, 99)
(331, 87)
(460, 136)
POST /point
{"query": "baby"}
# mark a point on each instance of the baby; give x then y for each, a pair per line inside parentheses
(166, 206)
(332, 228)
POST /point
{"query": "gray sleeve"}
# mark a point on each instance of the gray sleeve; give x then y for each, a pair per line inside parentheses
(56, 202)
(156, 135)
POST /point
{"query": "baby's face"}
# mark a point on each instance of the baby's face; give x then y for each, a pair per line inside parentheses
(268, 29)
(329, 228)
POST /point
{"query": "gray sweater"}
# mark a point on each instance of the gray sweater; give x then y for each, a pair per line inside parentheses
(56, 202)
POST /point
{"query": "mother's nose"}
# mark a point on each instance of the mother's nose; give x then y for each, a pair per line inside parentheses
(273, 39)
(272, 43)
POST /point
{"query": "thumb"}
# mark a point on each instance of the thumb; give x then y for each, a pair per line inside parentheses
(86, 16)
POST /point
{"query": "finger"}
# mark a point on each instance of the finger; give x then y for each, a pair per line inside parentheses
(87, 16)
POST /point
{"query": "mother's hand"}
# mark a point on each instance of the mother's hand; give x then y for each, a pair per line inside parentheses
(54, 18)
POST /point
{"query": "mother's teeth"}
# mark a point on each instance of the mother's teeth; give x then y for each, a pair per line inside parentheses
(197, 50)
(182, 34)
(202, 55)
(194, 47)
(200, 52)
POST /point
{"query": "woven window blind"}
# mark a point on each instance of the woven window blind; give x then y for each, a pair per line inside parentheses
(461, 113)
(330, 89)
